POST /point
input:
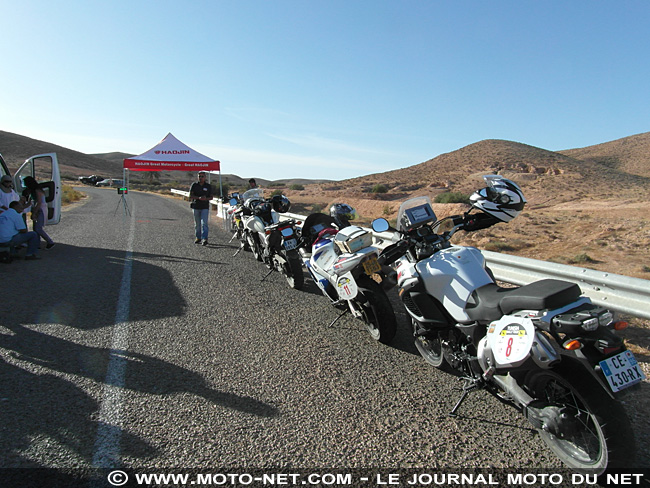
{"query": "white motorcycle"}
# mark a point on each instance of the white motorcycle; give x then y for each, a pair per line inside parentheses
(271, 241)
(343, 264)
(542, 347)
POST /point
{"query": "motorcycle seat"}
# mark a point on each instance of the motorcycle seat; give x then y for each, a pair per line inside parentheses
(491, 301)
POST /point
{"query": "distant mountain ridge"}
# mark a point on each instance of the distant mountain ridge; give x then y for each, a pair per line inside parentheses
(621, 165)
(567, 175)
(16, 148)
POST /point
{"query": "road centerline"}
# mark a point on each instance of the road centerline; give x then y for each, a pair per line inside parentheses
(109, 429)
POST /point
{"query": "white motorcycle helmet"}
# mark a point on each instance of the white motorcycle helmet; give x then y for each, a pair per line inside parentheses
(502, 198)
(342, 213)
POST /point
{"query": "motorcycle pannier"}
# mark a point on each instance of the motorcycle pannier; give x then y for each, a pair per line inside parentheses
(351, 239)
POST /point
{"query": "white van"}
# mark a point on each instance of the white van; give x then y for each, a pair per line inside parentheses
(45, 169)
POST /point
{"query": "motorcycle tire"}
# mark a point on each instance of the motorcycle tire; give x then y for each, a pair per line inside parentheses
(255, 246)
(378, 313)
(293, 271)
(605, 439)
(431, 350)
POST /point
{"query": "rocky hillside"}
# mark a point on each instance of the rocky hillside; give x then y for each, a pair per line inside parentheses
(629, 155)
(544, 175)
(16, 148)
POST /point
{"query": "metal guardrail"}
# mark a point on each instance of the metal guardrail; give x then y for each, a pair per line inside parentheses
(621, 293)
(617, 292)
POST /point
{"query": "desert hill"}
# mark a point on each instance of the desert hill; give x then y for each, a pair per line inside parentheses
(16, 148)
(629, 154)
(587, 212)
(544, 175)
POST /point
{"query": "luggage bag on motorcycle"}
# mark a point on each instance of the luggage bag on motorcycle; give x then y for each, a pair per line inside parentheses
(351, 239)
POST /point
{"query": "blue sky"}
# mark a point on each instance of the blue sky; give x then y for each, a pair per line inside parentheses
(323, 89)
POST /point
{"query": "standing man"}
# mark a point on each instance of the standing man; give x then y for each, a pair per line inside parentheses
(200, 196)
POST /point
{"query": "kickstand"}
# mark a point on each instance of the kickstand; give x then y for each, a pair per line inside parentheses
(233, 237)
(267, 274)
(238, 250)
(469, 386)
(337, 318)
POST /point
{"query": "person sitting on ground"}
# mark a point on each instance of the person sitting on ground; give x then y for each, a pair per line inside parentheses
(13, 231)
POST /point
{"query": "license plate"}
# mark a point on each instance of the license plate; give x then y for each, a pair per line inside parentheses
(371, 266)
(290, 244)
(622, 371)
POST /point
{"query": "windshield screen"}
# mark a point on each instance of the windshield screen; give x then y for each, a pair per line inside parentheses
(415, 212)
(256, 193)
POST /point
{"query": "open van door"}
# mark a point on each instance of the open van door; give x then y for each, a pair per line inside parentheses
(45, 169)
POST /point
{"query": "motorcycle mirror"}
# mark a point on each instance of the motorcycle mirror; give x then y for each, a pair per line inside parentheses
(233, 202)
(380, 225)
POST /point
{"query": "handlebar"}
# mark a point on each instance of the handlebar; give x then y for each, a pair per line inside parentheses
(423, 245)
(393, 252)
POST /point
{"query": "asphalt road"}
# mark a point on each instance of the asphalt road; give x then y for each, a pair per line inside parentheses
(128, 345)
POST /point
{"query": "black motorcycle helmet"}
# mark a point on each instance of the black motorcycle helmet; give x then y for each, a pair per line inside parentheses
(280, 203)
(342, 213)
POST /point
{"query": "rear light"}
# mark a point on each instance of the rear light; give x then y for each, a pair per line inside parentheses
(620, 325)
(609, 350)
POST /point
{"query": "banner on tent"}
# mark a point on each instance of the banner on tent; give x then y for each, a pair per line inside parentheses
(144, 165)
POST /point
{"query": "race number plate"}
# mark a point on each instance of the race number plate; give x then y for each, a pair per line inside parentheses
(510, 339)
(622, 371)
(371, 266)
(290, 244)
(347, 287)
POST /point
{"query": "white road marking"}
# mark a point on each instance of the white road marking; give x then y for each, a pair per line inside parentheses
(109, 429)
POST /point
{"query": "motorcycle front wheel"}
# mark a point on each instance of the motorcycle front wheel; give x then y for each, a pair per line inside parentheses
(430, 348)
(601, 437)
(253, 243)
(378, 313)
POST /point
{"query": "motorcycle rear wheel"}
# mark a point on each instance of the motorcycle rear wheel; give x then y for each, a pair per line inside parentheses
(604, 438)
(378, 313)
(293, 271)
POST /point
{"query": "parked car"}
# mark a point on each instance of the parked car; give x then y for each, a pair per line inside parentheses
(45, 168)
(109, 182)
(90, 180)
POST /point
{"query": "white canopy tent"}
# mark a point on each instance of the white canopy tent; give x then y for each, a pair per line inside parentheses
(170, 154)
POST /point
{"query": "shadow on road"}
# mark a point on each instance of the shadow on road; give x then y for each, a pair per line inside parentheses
(47, 415)
(80, 288)
(52, 407)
